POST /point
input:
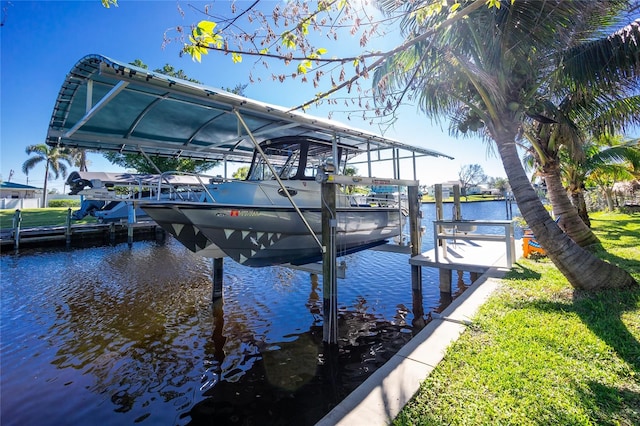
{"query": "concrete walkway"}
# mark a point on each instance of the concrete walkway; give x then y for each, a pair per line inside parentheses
(381, 397)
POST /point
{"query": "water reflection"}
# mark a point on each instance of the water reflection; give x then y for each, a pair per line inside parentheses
(115, 335)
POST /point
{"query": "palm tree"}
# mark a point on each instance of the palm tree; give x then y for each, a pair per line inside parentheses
(54, 159)
(79, 158)
(578, 116)
(494, 71)
(605, 162)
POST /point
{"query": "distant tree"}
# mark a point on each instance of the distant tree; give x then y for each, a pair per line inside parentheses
(79, 159)
(140, 164)
(470, 175)
(241, 173)
(499, 183)
(54, 159)
(352, 189)
(172, 72)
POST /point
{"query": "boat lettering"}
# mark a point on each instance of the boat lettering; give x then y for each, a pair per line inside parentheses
(245, 213)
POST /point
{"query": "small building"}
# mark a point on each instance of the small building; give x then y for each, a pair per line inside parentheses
(18, 196)
(447, 188)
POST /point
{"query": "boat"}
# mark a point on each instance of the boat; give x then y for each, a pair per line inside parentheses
(109, 196)
(271, 218)
(254, 222)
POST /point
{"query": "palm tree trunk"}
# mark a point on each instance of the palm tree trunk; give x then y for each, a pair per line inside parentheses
(577, 199)
(608, 196)
(44, 189)
(582, 268)
(570, 220)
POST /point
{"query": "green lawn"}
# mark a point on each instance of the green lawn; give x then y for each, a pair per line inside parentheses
(540, 353)
(51, 216)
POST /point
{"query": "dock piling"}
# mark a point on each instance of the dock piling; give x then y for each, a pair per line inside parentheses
(67, 231)
(17, 220)
(415, 220)
(131, 220)
(217, 275)
(329, 277)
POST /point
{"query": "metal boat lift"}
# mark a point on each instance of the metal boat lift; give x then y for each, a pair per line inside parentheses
(107, 105)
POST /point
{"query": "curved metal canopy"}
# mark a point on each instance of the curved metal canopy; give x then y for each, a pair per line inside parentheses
(109, 105)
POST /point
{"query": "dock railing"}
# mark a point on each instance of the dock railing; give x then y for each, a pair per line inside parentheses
(447, 230)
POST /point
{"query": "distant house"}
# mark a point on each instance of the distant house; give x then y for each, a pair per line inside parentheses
(447, 188)
(15, 195)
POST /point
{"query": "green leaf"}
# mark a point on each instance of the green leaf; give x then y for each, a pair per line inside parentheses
(206, 27)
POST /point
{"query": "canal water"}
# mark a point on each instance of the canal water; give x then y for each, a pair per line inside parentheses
(119, 335)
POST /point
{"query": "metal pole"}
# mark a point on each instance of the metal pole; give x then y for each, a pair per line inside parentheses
(368, 159)
(329, 278)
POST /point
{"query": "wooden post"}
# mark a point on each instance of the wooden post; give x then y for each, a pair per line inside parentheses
(329, 278)
(437, 194)
(415, 222)
(217, 275)
(112, 233)
(445, 280)
(457, 213)
(67, 231)
(161, 235)
(17, 220)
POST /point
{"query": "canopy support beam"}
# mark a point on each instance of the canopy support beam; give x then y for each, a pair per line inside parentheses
(119, 87)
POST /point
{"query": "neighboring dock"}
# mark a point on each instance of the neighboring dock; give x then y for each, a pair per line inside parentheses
(83, 235)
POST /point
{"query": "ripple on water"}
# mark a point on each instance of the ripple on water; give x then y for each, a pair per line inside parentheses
(117, 335)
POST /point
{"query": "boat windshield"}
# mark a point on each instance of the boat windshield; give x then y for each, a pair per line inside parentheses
(299, 159)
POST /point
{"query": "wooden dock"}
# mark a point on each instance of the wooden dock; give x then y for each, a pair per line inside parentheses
(465, 255)
(473, 256)
(83, 235)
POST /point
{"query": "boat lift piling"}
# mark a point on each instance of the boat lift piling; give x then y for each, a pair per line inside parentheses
(217, 275)
(329, 250)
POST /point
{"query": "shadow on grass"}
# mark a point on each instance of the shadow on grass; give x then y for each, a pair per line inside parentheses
(602, 313)
(632, 266)
(618, 230)
(611, 405)
(520, 272)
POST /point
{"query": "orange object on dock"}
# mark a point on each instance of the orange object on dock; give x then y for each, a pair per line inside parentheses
(531, 245)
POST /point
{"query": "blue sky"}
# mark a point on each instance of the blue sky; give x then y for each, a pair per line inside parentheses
(42, 40)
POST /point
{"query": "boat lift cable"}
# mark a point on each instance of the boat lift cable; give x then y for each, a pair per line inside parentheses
(275, 175)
